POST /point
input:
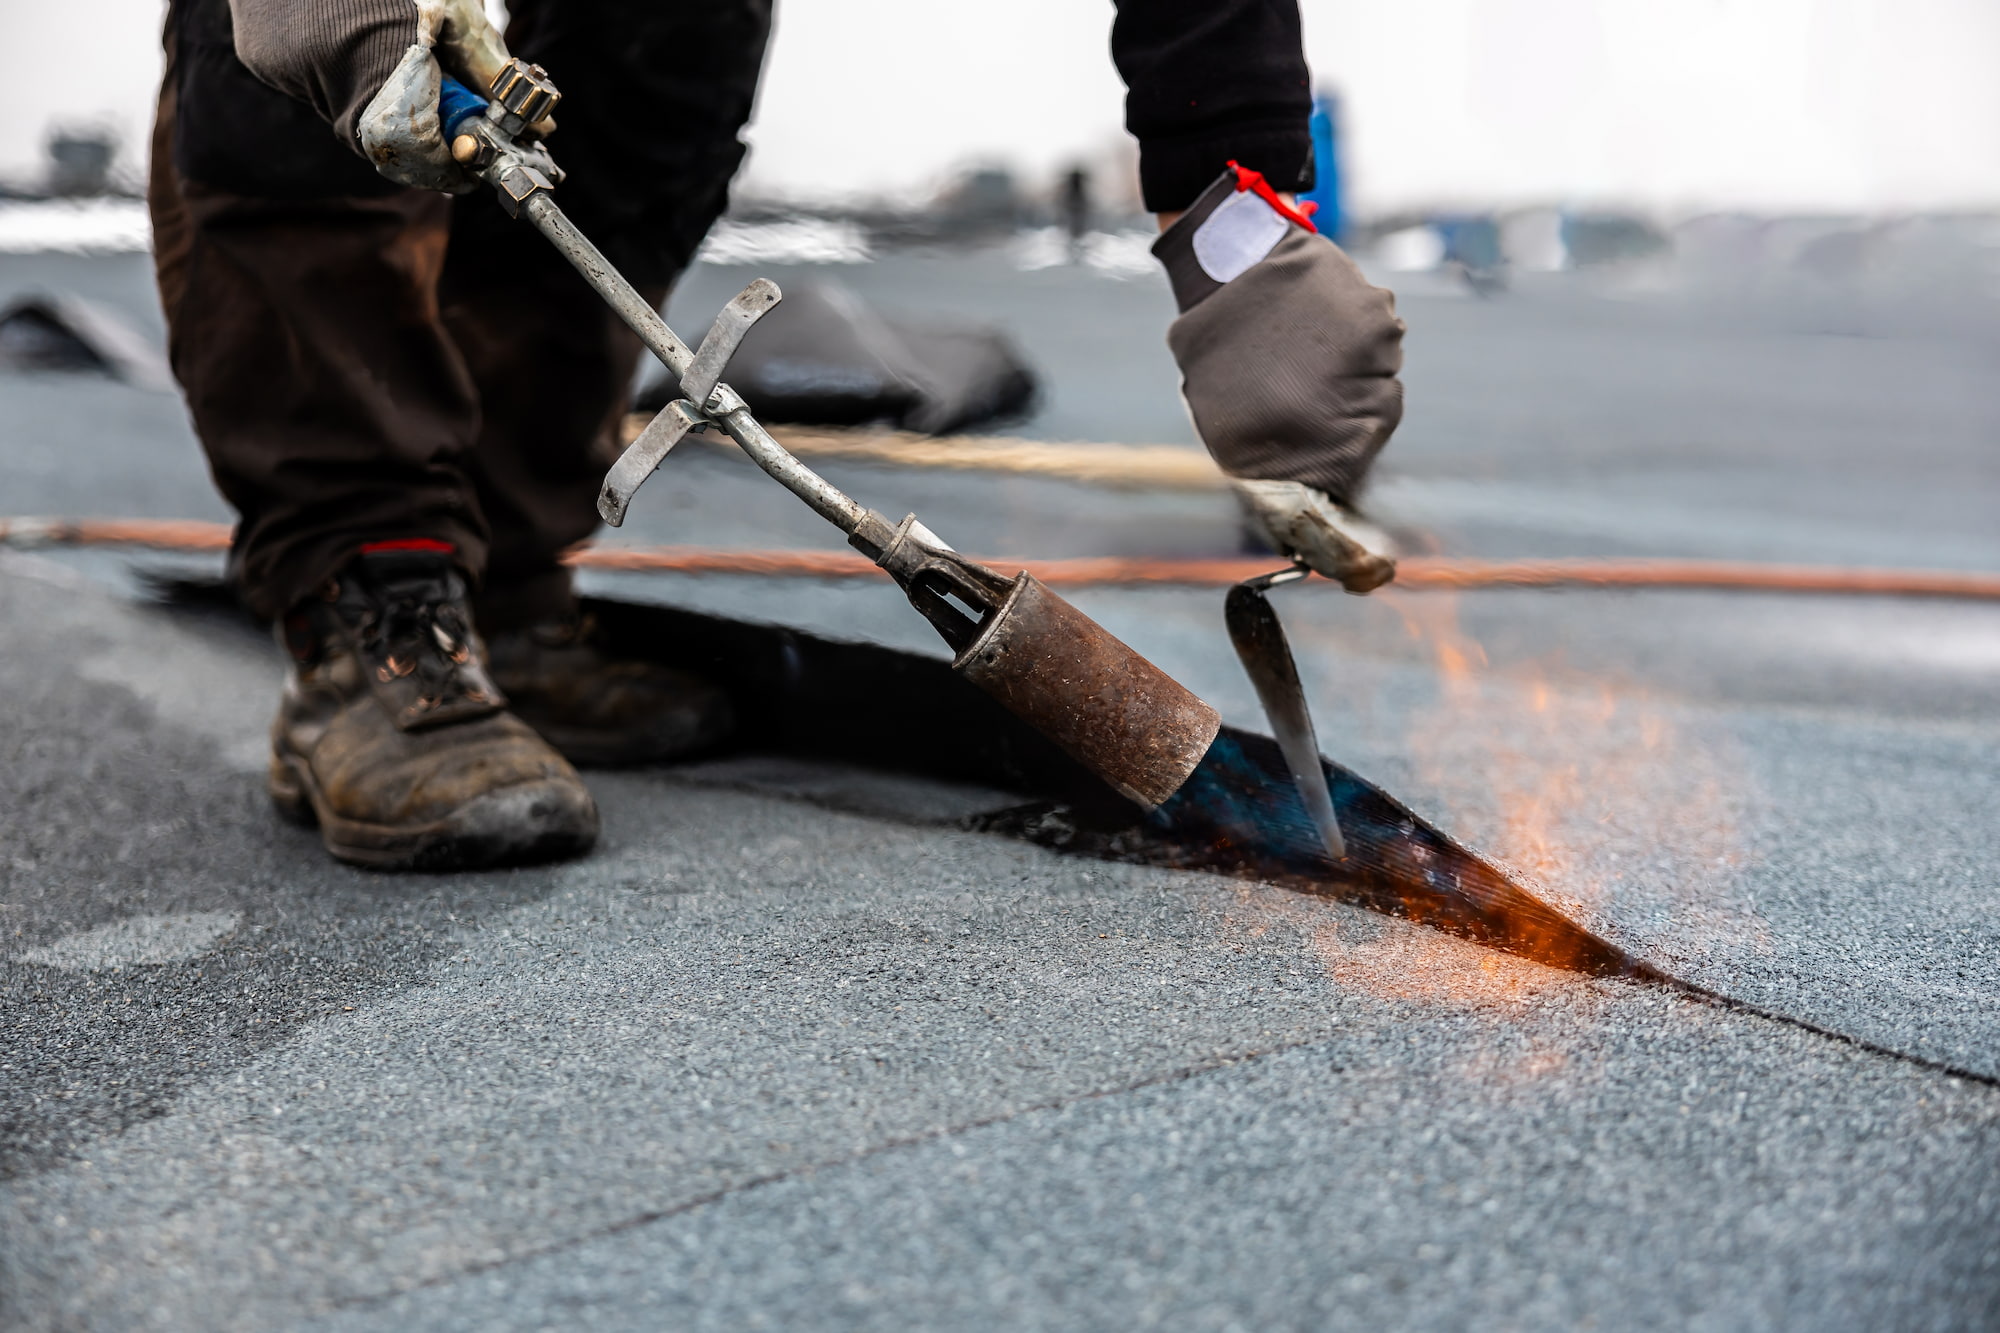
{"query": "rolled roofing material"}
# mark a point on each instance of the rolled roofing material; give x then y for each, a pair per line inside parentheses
(61, 330)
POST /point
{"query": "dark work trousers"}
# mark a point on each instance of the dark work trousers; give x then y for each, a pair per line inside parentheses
(365, 362)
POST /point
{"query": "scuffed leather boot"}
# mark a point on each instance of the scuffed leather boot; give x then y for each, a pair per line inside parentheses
(598, 708)
(394, 740)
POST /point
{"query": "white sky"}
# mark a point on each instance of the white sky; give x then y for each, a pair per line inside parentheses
(1795, 104)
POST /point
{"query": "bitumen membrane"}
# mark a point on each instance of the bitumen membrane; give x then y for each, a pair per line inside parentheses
(794, 1048)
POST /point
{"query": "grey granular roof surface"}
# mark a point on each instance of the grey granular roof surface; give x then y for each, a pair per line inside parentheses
(790, 1050)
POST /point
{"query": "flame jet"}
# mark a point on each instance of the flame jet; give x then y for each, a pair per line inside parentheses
(1242, 814)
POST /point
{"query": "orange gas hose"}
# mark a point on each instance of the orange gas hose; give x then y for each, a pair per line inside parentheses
(1417, 572)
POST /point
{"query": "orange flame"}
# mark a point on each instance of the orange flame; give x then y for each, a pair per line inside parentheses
(1575, 781)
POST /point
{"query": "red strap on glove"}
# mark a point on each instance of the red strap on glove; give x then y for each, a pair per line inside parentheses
(1254, 182)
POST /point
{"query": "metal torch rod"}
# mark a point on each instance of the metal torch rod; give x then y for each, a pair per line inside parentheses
(723, 406)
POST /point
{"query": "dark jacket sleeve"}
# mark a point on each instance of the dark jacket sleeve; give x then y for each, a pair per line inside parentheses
(333, 55)
(1211, 80)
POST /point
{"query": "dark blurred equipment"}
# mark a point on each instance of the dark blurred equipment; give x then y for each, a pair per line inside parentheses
(1074, 206)
(80, 162)
(826, 358)
(1606, 238)
(984, 201)
(59, 331)
(33, 337)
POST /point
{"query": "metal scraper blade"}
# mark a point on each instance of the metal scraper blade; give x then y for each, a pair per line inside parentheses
(1267, 657)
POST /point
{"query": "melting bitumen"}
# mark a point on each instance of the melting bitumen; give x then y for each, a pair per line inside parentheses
(1239, 814)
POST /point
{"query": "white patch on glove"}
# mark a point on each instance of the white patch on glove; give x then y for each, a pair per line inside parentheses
(1307, 524)
(1242, 230)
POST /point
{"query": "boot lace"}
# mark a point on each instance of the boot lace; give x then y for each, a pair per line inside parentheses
(413, 632)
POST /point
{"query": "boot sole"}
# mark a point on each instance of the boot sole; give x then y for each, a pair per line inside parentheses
(524, 824)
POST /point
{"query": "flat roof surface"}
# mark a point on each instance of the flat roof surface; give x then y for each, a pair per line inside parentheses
(791, 1049)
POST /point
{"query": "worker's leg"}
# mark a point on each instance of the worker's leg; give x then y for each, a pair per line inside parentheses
(553, 367)
(654, 95)
(653, 98)
(300, 296)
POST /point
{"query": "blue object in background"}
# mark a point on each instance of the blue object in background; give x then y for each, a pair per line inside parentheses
(1331, 219)
(1472, 246)
(1471, 239)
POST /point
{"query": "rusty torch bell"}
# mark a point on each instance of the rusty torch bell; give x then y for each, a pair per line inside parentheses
(1110, 709)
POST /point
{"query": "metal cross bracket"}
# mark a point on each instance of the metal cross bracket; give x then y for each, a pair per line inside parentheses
(644, 454)
(698, 386)
(725, 336)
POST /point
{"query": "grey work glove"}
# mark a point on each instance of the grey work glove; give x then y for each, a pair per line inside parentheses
(373, 68)
(1288, 363)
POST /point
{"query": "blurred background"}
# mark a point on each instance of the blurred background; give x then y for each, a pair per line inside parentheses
(1718, 279)
(1774, 105)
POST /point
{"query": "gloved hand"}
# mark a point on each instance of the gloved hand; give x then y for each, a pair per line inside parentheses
(1288, 363)
(373, 68)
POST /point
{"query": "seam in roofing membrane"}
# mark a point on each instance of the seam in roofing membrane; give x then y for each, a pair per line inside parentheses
(942, 1132)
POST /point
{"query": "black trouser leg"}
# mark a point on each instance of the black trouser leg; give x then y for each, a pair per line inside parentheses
(364, 362)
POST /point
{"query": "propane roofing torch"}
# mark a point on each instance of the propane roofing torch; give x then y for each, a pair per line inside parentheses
(1110, 709)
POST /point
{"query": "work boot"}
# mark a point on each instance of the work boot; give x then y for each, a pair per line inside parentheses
(394, 740)
(599, 708)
